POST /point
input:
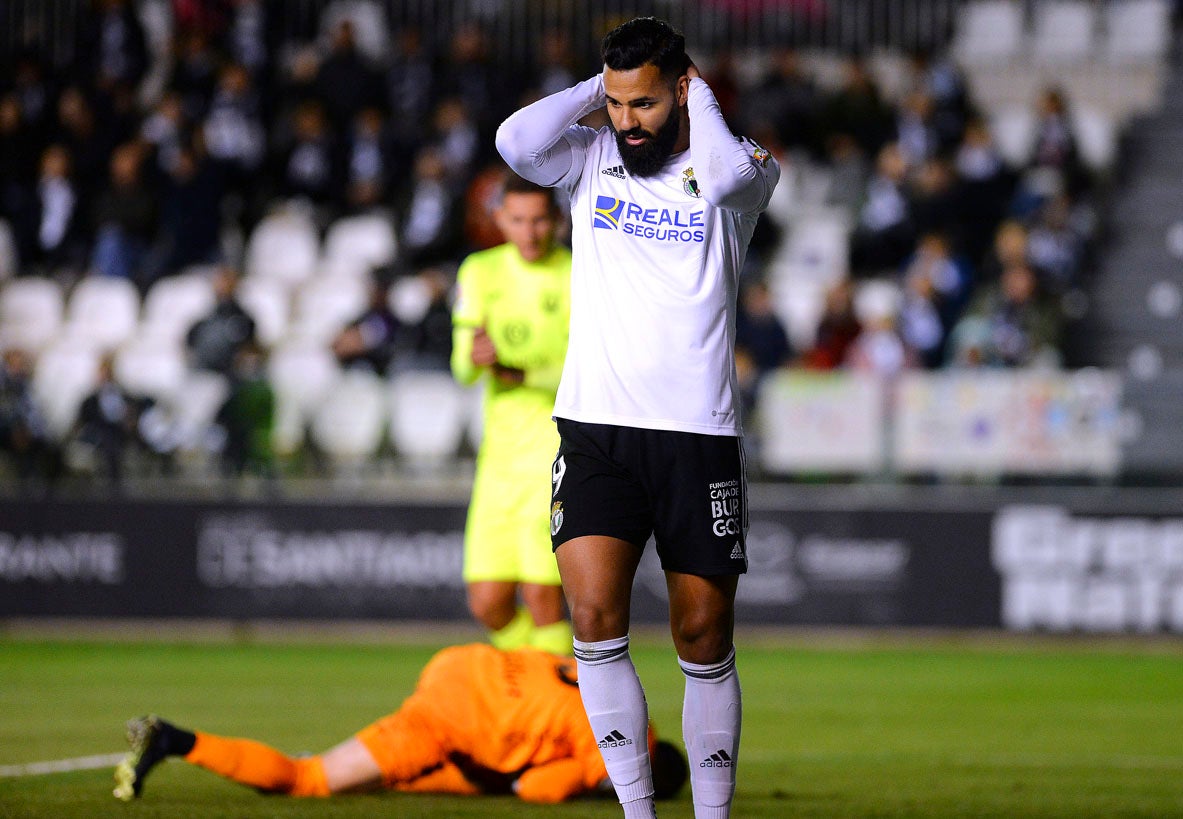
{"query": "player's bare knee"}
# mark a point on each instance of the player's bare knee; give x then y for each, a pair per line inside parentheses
(700, 640)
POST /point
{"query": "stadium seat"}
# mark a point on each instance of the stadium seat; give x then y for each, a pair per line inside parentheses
(175, 303)
(269, 303)
(876, 299)
(1096, 137)
(360, 243)
(988, 32)
(1013, 129)
(302, 373)
(1137, 31)
(350, 423)
(817, 247)
(102, 310)
(799, 305)
(1063, 31)
(429, 413)
(65, 373)
(284, 246)
(193, 406)
(150, 367)
(30, 313)
(325, 305)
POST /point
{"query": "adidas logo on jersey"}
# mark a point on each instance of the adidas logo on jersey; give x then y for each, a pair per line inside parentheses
(615, 740)
(719, 759)
(737, 551)
(616, 171)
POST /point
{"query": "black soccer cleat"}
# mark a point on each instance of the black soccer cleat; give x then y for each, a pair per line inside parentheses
(146, 736)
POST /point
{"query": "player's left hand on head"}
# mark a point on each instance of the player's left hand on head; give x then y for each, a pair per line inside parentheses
(692, 71)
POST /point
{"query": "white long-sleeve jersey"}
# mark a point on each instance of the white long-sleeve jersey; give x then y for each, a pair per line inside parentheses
(656, 261)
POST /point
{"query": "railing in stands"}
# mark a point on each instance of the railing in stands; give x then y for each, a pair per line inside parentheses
(51, 27)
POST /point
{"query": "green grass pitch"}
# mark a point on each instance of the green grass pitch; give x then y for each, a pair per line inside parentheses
(885, 726)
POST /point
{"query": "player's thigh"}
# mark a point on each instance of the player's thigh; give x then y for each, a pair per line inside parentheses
(495, 529)
(598, 577)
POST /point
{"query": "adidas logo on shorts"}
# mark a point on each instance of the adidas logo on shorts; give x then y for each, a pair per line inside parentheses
(737, 551)
(615, 740)
(719, 759)
(616, 171)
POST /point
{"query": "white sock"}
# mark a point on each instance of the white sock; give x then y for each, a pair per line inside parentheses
(619, 717)
(711, 715)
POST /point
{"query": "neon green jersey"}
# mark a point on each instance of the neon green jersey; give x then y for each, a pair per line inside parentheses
(524, 307)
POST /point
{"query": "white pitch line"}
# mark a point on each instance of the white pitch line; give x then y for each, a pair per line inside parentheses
(78, 763)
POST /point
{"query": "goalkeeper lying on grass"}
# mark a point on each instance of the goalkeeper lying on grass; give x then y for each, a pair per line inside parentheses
(480, 721)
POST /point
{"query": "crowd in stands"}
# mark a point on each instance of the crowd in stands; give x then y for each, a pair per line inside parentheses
(116, 168)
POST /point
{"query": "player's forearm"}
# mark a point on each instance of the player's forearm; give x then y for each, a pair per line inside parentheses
(728, 174)
(463, 370)
(531, 140)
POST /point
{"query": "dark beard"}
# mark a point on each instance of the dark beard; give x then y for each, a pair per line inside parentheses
(650, 157)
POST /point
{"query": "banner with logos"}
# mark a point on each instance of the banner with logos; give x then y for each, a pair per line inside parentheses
(1057, 568)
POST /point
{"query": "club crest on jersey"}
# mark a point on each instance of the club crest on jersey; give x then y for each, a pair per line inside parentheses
(690, 184)
(556, 518)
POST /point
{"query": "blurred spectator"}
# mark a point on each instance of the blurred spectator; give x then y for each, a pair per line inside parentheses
(1055, 248)
(984, 187)
(1054, 167)
(111, 49)
(915, 131)
(234, 133)
(837, 328)
(428, 213)
(421, 303)
(90, 144)
(248, 416)
(937, 76)
(126, 217)
(410, 88)
(557, 68)
(346, 82)
(166, 130)
(1010, 324)
(857, 109)
(786, 99)
(936, 286)
(195, 72)
(18, 163)
(456, 136)
(879, 349)
(370, 341)
(34, 90)
(480, 202)
(24, 434)
(885, 232)
(60, 230)
(1008, 248)
(214, 341)
(106, 427)
(369, 161)
(247, 37)
(933, 198)
(849, 173)
(759, 330)
(191, 213)
(306, 166)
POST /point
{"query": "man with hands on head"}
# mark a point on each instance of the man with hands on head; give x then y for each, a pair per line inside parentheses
(664, 200)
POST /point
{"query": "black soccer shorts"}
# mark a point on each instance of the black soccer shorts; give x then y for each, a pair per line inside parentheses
(686, 489)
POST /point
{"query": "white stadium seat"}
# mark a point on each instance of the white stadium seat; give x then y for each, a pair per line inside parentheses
(325, 305)
(284, 246)
(1013, 129)
(268, 302)
(150, 367)
(360, 243)
(103, 310)
(350, 423)
(176, 303)
(989, 32)
(30, 313)
(1063, 31)
(65, 373)
(302, 373)
(429, 414)
(1137, 31)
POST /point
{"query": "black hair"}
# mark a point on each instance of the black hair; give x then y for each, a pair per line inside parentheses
(516, 184)
(646, 41)
(669, 770)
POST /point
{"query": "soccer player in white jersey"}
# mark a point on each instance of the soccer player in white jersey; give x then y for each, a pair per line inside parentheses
(664, 201)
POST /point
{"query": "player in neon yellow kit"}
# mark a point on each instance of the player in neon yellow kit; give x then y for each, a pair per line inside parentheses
(510, 329)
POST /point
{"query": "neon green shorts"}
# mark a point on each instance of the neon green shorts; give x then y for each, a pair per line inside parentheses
(507, 536)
